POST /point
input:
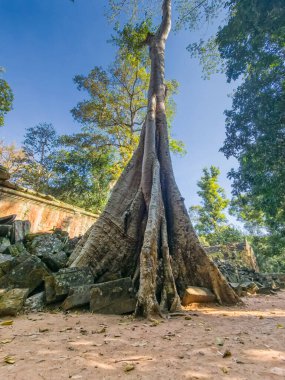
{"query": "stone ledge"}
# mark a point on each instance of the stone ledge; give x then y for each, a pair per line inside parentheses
(41, 198)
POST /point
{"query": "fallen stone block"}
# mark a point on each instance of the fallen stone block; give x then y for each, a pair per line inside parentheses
(21, 228)
(265, 290)
(16, 250)
(28, 274)
(7, 262)
(54, 261)
(6, 230)
(195, 294)
(78, 296)
(113, 297)
(12, 301)
(41, 244)
(249, 287)
(35, 302)
(4, 243)
(57, 286)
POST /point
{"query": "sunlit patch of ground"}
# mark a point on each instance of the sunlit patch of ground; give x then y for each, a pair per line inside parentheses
(239, 343)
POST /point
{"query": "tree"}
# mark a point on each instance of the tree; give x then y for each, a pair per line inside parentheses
(12, 158)
(214, 202)
(209, 218)
(6, 98)
(115, 111)
(39, 145)
(70, 169)
(252, 46)
(145, 231)
(82, 172)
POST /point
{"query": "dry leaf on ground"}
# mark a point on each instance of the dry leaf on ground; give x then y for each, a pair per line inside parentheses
(9, 359)
(7, 323)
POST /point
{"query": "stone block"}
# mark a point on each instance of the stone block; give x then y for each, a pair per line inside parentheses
(54, 261)
(57, 286)
(6, 230)
(113, 297)
(16, 250)
(7, 262)
(78, 296)
(35, 302)
(4, 243)
(195, 294)
(21, 228)
(12, 301)
(41, 244)
(28, 274)
(249, 287)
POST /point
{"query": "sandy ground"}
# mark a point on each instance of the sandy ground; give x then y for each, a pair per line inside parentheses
(54, 346)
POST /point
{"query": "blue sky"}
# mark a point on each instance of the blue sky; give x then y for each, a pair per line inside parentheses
(45, 43)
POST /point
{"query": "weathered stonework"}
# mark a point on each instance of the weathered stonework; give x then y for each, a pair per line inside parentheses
(238, 254)
(44, 212)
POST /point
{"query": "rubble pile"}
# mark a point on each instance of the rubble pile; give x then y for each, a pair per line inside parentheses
(34, 274)
(238, 264)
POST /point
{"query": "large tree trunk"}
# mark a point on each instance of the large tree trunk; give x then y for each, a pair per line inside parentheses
(145, 231)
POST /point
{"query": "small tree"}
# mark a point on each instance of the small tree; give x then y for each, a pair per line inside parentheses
(82, 172)
(13, 159)
(40, 143)
(209, 218)
(211, 213)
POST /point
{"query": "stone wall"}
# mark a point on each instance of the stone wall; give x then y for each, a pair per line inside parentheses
(238, 254)
(44, 212)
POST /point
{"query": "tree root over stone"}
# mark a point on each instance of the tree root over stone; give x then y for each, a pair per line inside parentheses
(145, 231)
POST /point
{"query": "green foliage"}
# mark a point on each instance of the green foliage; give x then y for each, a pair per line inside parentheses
(116, 108)
(209, 218)
(132, 39)
(210, 214)
(12, 158)
(39, 145)
(71, 168)
(269, 250)
(130, 11)
(82, 173)
(6, 99)
(114, 114)
(209, 56)
(226, 234)
(252, 45)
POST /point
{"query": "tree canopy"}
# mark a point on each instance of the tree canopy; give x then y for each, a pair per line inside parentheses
(115, 111)
(252, 46)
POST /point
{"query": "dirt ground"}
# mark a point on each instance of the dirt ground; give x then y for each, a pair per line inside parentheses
(211, 342)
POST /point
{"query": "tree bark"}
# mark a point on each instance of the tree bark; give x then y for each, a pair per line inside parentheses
(145, 231)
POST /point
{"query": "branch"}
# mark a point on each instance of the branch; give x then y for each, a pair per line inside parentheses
(165, 25)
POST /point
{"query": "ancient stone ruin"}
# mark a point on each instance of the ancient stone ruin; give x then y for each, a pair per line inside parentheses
(34, 265)
(238, 264)
(34, 274)
(43, 211)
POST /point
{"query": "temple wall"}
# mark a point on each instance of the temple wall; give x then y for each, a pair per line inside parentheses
(44, 212)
